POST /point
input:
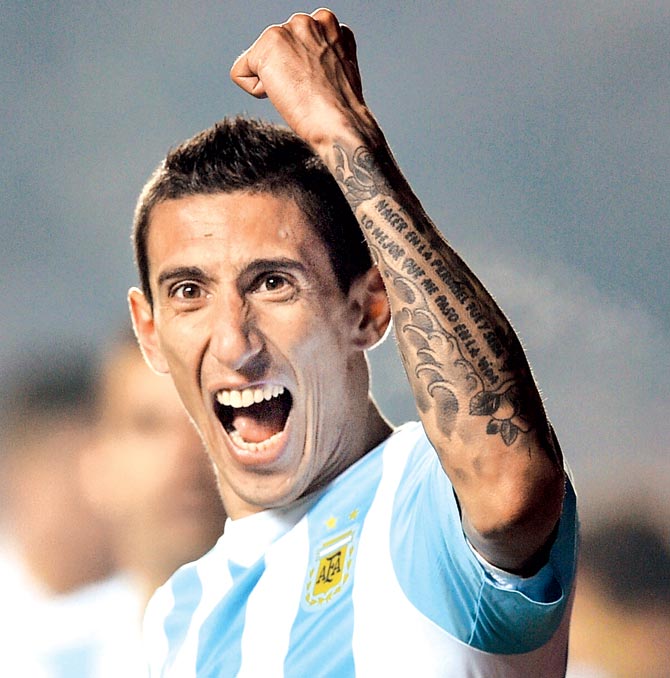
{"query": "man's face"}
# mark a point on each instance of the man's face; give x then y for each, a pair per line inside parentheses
(249, 320)
(151, 470)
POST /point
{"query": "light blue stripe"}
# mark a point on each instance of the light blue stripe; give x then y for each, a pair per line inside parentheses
(187, 592)
(443, 582)
(72, 661)
(321, 637)
(220, 638)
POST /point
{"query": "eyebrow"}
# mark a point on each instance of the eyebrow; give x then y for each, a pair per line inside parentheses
(279, 263)
(182, 273)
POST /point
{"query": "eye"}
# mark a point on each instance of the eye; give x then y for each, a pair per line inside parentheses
(186, 291)
(275, 285)
(271, 283)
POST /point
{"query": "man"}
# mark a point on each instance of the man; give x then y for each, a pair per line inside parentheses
(54, 550)
(150, 481)
(440, 548)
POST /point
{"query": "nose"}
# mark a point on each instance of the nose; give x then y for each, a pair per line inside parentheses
(235, 341)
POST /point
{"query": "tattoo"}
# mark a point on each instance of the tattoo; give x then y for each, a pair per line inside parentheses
(453, 342)
(435, 348)
(358, 177)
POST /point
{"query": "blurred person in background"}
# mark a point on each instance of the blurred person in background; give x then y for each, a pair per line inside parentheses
(149, 478)
(54, 550)
(621, 617)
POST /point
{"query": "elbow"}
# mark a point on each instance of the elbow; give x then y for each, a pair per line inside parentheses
(515, 528)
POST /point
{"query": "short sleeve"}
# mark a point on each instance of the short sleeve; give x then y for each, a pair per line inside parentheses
(447, 582)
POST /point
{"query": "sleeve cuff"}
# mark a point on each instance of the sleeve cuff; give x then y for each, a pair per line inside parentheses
(538, 587)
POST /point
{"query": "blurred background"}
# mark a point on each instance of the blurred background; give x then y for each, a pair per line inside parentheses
(536, 134)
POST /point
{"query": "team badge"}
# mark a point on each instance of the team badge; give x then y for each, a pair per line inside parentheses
(330, 569)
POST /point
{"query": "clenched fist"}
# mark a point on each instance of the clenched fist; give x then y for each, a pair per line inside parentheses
(308, 69)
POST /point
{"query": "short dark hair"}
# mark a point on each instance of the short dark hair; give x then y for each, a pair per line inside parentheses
(246, 154)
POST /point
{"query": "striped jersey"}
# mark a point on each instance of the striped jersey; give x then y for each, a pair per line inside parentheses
(371, 576)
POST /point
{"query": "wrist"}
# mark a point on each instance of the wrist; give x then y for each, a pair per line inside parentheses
(351, 128)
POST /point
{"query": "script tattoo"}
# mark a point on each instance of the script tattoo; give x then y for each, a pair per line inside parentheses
(444, 329)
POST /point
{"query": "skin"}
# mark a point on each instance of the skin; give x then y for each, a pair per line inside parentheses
(62, 541)
(472, 384)
(245, 296)
(148, 475)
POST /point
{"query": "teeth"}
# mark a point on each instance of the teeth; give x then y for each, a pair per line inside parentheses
(239, 441)
(248, 396)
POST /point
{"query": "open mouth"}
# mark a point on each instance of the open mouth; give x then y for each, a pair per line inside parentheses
(252, 417)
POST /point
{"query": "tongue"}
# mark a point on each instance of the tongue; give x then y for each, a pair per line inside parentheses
(260, 421)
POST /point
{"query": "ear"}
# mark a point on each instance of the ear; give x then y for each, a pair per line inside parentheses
(368, 300)
(145, 330)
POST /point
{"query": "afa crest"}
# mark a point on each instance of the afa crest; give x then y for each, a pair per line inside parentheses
(330, 569)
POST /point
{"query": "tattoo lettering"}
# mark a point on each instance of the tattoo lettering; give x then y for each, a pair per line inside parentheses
(412, 269)
(452, 344)
(429, 286)
(387, 244)
(391, 216)
(461, 289)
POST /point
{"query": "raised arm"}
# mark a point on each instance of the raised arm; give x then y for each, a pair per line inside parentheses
(474, 390)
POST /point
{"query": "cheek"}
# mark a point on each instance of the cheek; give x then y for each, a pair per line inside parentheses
(180, 338)
(184, 368)
(328, 347)
(311, 352)
(303, 331)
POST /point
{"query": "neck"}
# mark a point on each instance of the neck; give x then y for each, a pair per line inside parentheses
(378, 427)
(372, 429)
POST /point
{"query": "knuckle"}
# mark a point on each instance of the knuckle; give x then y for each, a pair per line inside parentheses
(272, 36)
(300, 21)
(324, 14)
(273, 32)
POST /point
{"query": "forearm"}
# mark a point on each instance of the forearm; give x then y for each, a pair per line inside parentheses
(474, 390)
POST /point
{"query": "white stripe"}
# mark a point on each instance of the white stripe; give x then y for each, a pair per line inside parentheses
(267, 629)
(390, 636)
(215, 581)
(335, 546)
